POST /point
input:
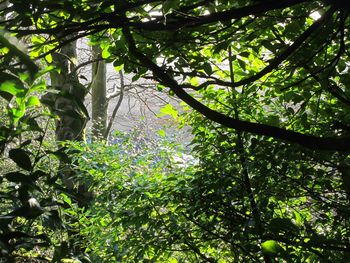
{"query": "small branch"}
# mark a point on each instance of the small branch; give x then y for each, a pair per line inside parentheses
(86, 63)
(122, 87)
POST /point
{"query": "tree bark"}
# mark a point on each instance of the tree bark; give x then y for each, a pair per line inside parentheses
(99, 95)
(68, 105)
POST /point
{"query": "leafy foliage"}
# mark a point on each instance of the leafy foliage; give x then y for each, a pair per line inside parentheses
(258, 190)
(23, 198)
(265, 199)
(273, 185)
(134, 216)
(31, 219)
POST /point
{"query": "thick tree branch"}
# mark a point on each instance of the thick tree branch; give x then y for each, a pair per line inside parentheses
(308, 141)
(175, 23)
(171, 22)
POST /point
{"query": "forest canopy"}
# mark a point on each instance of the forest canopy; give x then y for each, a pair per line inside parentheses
(289, 50)
(268, 176)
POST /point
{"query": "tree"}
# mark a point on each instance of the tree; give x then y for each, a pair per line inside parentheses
(99, 95)
(192, 36)
(249, 199)
(251, 189)
(269, 71)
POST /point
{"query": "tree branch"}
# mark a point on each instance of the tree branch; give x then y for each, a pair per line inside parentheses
(116, 108)
(308, 141)
(234, 13)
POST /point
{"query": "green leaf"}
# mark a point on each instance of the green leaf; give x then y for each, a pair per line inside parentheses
(160, 87)
(341, 66)
(18, 113)
(46, 70)
(38, 87)
(244, 54)
(169, 110)
(9, 41)
(10, 87)
(106, 53)
(271, 247)
(298, 218)
(21, 158)
(161, 133)
(242, 64)
(267, 44)
(118, 65)
(135, 77)
(66, 199)
(32, 101)
(119, 68)
(48, 58)
(6, 80)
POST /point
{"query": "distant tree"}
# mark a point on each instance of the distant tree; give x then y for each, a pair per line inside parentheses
(98, 94)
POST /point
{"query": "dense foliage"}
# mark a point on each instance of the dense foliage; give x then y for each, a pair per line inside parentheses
(261, 190)
(292, 48)
(133, 217)
(268, 81)
(239, 195)
(29, 208)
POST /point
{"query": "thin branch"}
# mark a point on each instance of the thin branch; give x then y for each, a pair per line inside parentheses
(117, 94)
(86, 63)
(122, 87)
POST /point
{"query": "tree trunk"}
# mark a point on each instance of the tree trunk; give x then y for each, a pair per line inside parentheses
(72, 118)
(99, 95)
(67, 103)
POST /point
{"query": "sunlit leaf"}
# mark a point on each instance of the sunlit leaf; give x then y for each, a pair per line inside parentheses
(168, 109)
(33, 101)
